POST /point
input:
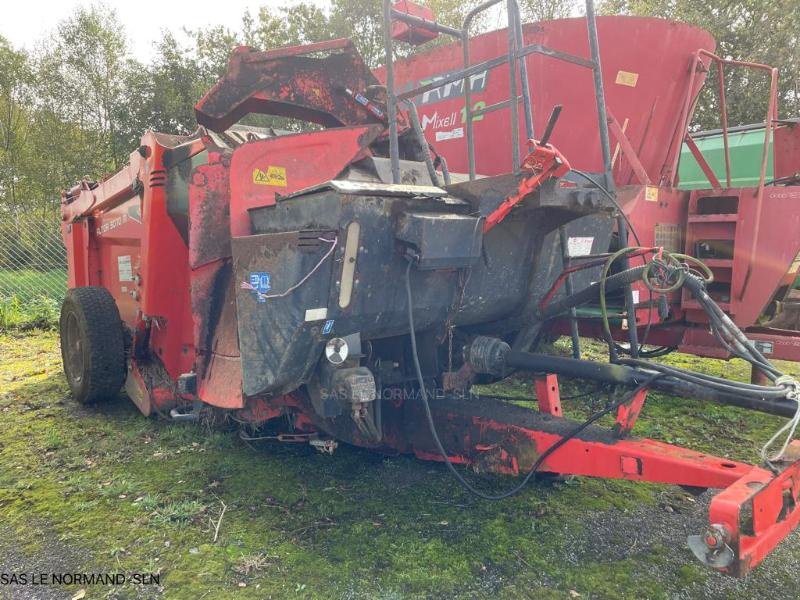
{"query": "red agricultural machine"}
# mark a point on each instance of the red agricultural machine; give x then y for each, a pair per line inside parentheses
(655, 70)
(344, 280)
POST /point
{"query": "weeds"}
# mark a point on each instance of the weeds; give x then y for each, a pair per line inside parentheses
(39, 312)
(253, 563)
(179, 511)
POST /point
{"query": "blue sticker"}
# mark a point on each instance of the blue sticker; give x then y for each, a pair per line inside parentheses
(326, 329)
(260, 283)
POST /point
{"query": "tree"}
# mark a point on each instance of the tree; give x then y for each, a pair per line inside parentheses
(547, 10)
(164, 92)
(15, 96)
(82, 74)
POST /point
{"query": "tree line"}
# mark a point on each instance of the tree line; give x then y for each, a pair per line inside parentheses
(77, 104)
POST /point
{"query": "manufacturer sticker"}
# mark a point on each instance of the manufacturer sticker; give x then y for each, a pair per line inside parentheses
(112, 224)
(124, 268)
(651, 193)
(260, 282)
(579, 246)
(328, 327)
(272, 176)
(627, 78)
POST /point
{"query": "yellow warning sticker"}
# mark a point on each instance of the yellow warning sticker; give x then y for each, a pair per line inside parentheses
(651, 193)
(272, 176)
(627, 78)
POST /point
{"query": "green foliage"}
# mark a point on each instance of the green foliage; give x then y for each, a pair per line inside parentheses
(36, 312)
(544, 10)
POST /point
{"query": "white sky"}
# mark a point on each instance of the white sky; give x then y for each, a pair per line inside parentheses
(24, 23)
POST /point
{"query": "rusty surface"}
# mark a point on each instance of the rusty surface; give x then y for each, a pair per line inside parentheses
(290, 82)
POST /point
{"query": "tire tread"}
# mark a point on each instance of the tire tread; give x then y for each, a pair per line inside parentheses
(101, 326)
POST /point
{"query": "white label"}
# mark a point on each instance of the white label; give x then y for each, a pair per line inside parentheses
(124, 268)
(635, 294)
(579, 246)
(765, 347)
(316, 314)
(453, 134)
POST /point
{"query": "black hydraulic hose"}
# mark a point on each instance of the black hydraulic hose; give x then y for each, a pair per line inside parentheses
(758, 391)
(613, 199)
(526, 336)
(625, 375)
(657, 352)
(592, 292)
(722, 326)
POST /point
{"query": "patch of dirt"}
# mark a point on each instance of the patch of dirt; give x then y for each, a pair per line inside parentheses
(654, 538)
(53, 557)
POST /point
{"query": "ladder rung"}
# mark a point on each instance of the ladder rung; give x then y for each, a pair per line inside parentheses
(718, 262)
(719, 218)
(493, 107)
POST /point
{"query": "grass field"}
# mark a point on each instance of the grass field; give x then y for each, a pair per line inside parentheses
(105, 490)
(27, 284)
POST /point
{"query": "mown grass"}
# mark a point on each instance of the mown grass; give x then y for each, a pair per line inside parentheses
(116, 492)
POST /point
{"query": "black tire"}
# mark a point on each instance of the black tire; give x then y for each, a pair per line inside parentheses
(92, 346)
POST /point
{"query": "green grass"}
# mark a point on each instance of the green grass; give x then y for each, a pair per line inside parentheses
(118, 492)
(28, 284)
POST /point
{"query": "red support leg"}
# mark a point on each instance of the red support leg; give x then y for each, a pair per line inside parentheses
(548, 395)
(628, 413)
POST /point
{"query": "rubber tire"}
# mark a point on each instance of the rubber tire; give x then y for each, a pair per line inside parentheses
(92, 344)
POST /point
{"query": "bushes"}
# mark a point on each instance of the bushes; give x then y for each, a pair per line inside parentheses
(31, 298)
(36, 312)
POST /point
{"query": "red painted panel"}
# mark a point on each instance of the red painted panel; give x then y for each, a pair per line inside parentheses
(646, 73)
(262, 169)
(786, 149)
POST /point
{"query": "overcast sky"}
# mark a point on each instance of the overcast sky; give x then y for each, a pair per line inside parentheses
(25, 22)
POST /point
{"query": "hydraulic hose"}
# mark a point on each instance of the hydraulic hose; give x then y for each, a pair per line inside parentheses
(592, 292)
(675, 384)
(542, 456)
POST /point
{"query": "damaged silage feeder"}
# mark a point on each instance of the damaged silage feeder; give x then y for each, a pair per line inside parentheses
(343, 279)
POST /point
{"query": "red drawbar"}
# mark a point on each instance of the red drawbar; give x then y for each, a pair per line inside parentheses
(755, 510)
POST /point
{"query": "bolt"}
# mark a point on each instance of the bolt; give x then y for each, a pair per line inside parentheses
(716, 536)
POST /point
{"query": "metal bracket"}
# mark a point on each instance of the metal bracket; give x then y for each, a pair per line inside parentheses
(547, 394)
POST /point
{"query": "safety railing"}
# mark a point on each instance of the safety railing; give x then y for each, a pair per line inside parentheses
(515, 56)
(683, 135)
(769, 127)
